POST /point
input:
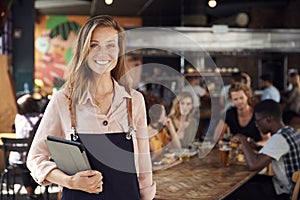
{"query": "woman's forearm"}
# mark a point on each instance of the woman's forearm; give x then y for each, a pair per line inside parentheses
(89, 181)
(58, 177)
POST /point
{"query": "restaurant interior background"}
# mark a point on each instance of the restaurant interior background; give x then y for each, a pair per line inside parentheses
(252, 36)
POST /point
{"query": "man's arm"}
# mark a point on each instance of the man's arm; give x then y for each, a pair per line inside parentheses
(254, 160)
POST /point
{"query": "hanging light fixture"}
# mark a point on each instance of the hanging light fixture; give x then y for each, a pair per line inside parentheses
(108, 2)
(212, 3)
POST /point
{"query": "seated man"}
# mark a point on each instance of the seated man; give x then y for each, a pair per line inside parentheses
(282, 149)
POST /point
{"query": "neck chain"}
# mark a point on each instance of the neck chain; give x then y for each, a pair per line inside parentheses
(102, 106)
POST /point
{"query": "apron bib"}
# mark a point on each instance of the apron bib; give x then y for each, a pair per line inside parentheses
(118, 184)
(106, 155)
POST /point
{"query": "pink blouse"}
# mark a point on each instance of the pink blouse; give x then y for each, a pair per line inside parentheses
(56, 122)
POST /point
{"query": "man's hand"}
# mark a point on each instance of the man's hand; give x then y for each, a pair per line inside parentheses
(255, 161)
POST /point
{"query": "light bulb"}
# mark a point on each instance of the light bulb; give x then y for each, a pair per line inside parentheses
(212, 3)
(109, 2)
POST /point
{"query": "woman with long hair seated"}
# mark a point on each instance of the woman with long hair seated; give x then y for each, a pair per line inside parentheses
(182, 117)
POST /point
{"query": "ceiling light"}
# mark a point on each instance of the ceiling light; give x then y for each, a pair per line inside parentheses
(212, 3)
(108, 2)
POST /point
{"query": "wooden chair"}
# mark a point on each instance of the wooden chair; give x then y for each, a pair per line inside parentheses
(296, 179)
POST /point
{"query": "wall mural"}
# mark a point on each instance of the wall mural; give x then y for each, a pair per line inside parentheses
(54, 39)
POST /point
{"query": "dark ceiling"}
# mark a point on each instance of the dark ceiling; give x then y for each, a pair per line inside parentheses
(157, 12)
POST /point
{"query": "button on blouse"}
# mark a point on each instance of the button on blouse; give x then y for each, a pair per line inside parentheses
(105, 122)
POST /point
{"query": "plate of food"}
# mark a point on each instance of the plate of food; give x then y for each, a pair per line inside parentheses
(184, 151)
(167, 160)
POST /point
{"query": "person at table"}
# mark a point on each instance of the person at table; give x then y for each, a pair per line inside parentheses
(162, 133)
(240, 117)
(182, 117)
(292, 100)
(25, 124)
(97, 99)
(236, 77)
(269, 90)
(282, 150)
(195, 89)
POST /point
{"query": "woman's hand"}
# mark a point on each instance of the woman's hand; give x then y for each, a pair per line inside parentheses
(89, 181)
(175, 143)
(168, 123)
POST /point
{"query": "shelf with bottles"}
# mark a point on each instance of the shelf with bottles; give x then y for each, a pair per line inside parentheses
(223, 71)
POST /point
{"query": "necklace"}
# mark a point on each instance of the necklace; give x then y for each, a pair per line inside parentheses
(105, 100)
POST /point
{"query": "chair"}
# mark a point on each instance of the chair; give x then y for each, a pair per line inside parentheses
(11, 170)
(296, 179)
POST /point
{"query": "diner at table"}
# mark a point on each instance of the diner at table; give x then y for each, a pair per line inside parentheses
(282, 150)
(183, 118)
(240, 117)
(161, 131)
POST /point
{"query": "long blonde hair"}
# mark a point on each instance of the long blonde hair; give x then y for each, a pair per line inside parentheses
(80, 80)
(175, 110)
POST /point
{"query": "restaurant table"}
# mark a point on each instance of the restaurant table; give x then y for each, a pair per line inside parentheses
(7, 135)
(201, 178)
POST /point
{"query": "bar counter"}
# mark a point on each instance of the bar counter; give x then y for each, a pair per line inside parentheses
(204, 178)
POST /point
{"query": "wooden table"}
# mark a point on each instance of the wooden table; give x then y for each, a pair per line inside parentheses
(197, 178)
(7, 135)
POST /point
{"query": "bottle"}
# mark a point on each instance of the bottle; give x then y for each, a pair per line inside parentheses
(26, 88)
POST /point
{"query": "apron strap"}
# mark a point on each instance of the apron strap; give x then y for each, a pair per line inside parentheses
(129, 110)
(72, 110)
(130, 120)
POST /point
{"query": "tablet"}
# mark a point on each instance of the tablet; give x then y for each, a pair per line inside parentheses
(69, 156)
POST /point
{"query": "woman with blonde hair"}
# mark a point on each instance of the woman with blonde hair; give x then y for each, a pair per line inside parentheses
(97, 102)
(182, 117)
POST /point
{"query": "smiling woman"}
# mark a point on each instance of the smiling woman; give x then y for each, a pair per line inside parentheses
(98, 102)
(104, 50)
(182, 117)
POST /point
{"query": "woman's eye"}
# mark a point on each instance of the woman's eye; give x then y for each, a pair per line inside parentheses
(111, 46)
(93, 46)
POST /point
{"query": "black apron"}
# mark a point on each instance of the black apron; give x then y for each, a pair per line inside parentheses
(117, 184)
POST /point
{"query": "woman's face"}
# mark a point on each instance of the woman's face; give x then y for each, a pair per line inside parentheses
(239, 99)
(186, 106)
(104, 50)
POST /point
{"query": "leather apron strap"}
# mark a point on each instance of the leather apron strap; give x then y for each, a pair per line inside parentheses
(72, 110)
